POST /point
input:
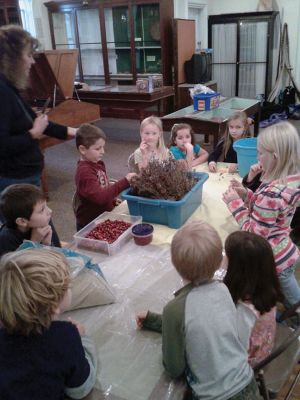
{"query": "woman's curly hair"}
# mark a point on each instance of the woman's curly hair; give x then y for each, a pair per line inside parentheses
(14, 40)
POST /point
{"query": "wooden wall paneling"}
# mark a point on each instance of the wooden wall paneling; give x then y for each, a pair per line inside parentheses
(184, 48)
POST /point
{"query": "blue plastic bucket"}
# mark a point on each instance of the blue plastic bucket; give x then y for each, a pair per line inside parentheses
(246, 150)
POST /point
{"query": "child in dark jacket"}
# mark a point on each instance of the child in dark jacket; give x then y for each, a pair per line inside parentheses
(40, 356)
(237, 128)
(27, 217)
(95, 194)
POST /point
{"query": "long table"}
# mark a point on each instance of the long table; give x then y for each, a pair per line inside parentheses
(127, 97)
(213, 122)
(143, 278)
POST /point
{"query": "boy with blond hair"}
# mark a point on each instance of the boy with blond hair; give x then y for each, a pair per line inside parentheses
(27, 217)
(199, 326)
(94, 193)
(41, 357)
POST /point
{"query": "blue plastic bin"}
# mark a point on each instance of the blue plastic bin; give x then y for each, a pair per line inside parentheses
(246, 150)
(206, 101)
(167, 212)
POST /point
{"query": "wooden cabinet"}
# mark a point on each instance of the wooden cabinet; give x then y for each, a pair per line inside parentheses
(9, 12)
(118, 41)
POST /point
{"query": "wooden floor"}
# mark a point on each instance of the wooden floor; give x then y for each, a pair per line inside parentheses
(295, 394)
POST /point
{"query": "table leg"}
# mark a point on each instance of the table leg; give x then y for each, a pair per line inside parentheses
(256, 123)
(44, 181)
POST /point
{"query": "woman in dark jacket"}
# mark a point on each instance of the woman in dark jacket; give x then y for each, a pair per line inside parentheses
(21, 160)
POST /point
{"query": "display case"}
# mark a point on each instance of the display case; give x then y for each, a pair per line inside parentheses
(9, 12)
(118, 41)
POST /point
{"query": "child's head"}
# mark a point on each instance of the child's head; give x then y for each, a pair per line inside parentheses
(237, 128)
(196, 251)
(151, 132)
(24, 206)
(180, 134)
(251, 272)
(33, 285)
(90, 142)
(279, 151)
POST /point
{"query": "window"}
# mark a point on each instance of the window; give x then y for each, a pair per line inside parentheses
(27, 16)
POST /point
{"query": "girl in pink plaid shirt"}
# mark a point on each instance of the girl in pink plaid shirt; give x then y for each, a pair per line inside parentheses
(269, 211)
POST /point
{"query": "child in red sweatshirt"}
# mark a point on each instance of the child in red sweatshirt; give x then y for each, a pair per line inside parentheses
(94, 193)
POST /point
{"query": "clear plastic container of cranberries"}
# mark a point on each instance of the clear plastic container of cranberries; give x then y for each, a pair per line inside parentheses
(107, 233)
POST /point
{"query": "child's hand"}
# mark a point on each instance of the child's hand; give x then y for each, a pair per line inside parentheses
(80, 327)
(232, 167)
(130, 175)
(42, 235)
(189, 147)
(212, 166)
(230, 195)
(239, 188)
(255, 169)
(144, 147)
(117, 201)
(140, 318)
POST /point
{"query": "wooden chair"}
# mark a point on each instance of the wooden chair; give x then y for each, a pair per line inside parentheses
(275, 370)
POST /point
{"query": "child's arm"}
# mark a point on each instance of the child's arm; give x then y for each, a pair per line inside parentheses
(85, 364)
(263, 215)
(189, 154)
(201, 157)
(142, 158)
(214, 156)
(149, 320)
(255, 169)
(173, 341)
(89, 187)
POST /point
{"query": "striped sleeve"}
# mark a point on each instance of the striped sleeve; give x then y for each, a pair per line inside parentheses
(262, 217)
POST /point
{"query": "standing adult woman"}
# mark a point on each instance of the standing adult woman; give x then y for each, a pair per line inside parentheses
(21, 160)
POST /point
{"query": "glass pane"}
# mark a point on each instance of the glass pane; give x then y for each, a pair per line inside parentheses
(2, 17)
(64, 32)
(225, 75)
(253, 43)
(147, 38)
(13, 16)
(90, 46)
(224, 43)
(251, 80)
(148, 61)
(118, 40)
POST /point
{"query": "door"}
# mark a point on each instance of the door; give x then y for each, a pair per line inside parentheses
(242, 53)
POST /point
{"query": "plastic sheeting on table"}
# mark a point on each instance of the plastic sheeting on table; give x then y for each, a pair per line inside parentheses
(130, 360)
